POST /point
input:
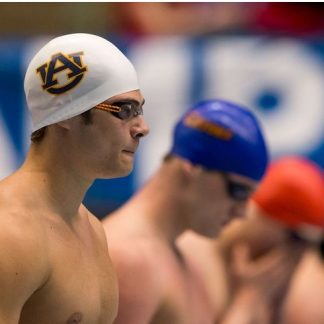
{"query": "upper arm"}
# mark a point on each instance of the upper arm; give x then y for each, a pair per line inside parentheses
(20, 269)
(139, 286)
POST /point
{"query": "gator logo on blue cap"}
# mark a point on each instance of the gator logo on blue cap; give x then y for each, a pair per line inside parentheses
(194, 120)
(70, 63)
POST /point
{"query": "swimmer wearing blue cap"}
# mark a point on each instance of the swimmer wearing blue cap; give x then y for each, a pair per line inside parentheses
(217, 158)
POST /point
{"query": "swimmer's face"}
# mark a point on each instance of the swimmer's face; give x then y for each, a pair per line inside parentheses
(239, 190)
(219, 199)
(111, 140)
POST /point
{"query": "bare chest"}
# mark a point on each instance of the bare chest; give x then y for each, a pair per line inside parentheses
(81, 288)
(185, 300)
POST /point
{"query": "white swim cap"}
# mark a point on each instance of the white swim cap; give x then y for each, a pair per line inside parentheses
(73, 73)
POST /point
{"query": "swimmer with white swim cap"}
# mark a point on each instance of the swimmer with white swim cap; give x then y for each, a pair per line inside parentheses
(86, 108)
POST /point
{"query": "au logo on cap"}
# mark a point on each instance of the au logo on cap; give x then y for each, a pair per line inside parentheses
(71, 64)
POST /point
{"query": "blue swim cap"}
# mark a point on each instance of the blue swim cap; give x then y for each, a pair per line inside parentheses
(220, 135)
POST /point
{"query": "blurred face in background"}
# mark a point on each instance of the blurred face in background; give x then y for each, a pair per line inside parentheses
(219, 198)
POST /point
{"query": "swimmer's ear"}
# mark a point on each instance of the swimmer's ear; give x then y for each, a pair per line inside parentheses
(191, 169)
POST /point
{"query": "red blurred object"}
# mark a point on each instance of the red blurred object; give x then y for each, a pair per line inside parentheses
(299, 19)
(292, 192)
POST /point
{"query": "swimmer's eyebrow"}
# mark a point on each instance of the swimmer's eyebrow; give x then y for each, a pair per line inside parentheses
(128, 100)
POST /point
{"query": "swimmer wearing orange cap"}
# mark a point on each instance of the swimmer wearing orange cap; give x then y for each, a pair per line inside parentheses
(276, 247)
(291, 193)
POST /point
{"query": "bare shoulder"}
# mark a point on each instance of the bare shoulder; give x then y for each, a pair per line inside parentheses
(21, 233)
(23, 262)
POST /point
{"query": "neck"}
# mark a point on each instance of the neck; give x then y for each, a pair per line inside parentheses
(160, 206)
(55, 179)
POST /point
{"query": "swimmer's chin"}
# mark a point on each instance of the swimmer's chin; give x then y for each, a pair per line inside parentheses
(119, 174)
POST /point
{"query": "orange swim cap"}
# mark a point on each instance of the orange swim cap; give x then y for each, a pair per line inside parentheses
(292, 191)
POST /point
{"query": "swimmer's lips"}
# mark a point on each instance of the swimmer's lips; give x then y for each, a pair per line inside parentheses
(130, 151)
